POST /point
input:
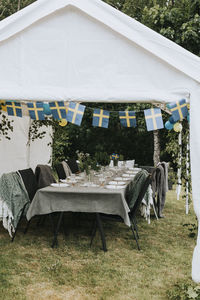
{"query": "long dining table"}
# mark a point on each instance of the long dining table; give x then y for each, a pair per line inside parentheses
(87, 198)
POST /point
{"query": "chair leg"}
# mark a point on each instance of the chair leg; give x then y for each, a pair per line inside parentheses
(135, 227)
(100, 227)
(135, 236)
(154, 209)
(55, 240)
(16, 229)
(93, 233)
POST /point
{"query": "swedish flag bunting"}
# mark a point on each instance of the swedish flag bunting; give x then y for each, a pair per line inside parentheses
(114, 156)
(58, 110)
(153, 118)
(14, 108)
(36, 111)
(127, 118)
(100, 118)
(75, 113)
(179, 110)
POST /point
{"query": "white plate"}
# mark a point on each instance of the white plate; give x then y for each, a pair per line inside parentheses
(114, 187)
(130, 172)
(63, 180)
(94, 185)
(71, 181)
(59, 184)
(121, 182)
(112, 182)
(126, 175)
(118, 178)
(110, 186)
(89, 184)
(120, 187)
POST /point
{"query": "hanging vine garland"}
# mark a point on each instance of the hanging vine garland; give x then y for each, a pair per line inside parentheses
(5, 124)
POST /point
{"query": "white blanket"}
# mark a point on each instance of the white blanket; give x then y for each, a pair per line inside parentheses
(6, 217)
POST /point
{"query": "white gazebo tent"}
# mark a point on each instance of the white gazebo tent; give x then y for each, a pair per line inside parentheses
(86, 51)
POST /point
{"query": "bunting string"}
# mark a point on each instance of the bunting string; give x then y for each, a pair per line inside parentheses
(73, 112)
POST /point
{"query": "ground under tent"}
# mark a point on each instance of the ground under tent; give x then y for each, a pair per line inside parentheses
(86, 51)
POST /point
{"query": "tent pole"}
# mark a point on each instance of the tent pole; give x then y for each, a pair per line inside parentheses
(28, 147)
(178, 188)
(187, 177)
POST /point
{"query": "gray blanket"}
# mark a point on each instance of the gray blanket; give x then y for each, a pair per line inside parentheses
(44, 176)
(13, 192)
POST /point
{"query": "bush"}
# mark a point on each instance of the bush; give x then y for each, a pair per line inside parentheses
(184, 291)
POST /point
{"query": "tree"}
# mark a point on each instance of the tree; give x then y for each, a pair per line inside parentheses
(9, 7)
(179, 21)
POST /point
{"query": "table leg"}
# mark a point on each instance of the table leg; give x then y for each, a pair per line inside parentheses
(100, 226)
(55, 240)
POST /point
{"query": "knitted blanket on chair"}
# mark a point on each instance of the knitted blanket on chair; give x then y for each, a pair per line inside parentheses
(136, 185)
(14, 196)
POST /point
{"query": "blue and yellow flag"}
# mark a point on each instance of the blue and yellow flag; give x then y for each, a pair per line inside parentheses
(100, 118)
(127, 118)
(114, 156)
(14, 108)
(58, 110)
(179, 110)
(36, 111)
(75, 113)
(153, 118)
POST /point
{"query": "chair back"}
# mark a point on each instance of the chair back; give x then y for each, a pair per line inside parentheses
(73, 165)
(60, 171)
(142, 192)
(130, 163)
(44, 176)
(30, 181)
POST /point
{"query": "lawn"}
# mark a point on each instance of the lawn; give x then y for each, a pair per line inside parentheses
(30, 269)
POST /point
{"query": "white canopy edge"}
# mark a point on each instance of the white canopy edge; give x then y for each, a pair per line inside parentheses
(50, 94)
(129, 28)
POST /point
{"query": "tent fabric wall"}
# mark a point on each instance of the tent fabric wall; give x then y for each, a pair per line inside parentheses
(15, 154)
(70, 54)
(85, 50)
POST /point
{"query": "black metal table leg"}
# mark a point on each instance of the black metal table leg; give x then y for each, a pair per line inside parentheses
(94, 229)
(100, 226)
(55, 240)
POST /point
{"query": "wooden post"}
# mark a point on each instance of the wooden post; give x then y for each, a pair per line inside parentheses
(156, 154)
(19, 5)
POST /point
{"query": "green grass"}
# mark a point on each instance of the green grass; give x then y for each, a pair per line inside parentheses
(30, 269)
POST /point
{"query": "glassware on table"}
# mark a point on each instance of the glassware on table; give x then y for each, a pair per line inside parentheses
(102, 180)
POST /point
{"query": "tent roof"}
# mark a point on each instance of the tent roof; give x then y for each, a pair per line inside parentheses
(129, 28)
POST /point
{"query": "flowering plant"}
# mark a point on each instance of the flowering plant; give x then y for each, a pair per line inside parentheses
(85, 161)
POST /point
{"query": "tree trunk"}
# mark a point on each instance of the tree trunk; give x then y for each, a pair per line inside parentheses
(19, 5)
(156, 154)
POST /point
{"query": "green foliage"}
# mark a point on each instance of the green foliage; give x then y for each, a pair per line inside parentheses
(5, 126)
(60, 144)
(60, 139)
(180, 22)
(9, 7)
(34, 129)
(131, 143)
(192, 228)
(102, 158)
(184, 290)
